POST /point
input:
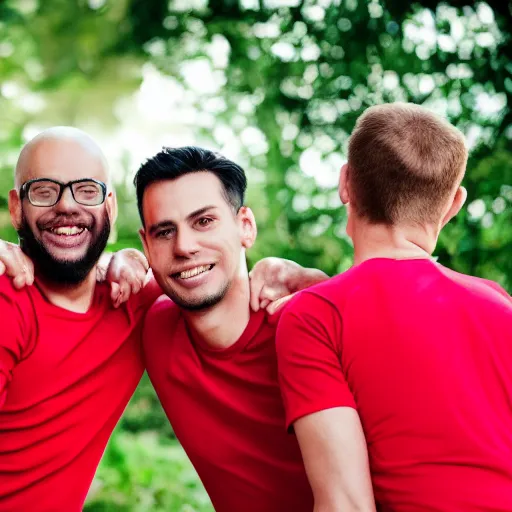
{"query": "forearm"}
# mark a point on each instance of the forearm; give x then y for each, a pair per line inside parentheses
(343, 504)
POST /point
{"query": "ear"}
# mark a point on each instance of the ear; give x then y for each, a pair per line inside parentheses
(343, 185)
(142, 234)
(15, 209)
(457, 203)
(247, 225)
(111, 205)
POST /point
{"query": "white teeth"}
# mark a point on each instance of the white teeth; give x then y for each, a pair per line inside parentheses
(67, 230)
(187, 274)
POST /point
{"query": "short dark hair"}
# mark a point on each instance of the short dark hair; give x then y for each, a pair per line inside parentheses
(171, 163)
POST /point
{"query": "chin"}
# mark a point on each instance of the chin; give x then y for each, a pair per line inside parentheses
(67, 257)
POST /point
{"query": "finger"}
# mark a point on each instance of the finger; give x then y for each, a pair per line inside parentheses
(19, 281)
(12, 263)
(129, 276)
(2, 268)
(277, 304)
(273, 293)
(256, 286)
(16, 268)
(264, 303)
(29, 269)
(140, 277)
(136, 285)
(114, 292)
(124, 293)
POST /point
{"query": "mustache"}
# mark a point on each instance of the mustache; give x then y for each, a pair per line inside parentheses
(66, 220)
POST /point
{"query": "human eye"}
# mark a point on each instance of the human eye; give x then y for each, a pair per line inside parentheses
(204, 222)
(87, 190)
(41, 191)
(165, 233)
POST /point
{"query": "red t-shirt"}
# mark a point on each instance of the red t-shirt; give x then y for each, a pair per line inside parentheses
(425, 355)
(65, 379)
(226, 410)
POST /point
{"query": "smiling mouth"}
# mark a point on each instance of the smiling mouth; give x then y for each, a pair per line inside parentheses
(187, 274)
(67, 230)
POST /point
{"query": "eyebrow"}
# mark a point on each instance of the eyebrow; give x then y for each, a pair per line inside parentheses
(169, 223)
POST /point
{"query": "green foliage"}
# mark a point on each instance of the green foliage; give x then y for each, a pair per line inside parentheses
(286, 80)
(144, 472)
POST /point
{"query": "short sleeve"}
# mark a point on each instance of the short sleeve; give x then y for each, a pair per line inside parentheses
(309, 357)
(16, 336)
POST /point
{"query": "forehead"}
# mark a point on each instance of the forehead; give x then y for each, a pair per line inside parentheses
(175, 199)
(62, 160)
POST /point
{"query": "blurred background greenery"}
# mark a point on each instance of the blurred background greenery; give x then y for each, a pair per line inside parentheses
(277, 86)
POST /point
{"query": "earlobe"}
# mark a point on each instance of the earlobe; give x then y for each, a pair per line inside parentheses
(248, 227)
(343, 185)
(457, 203)
(15, 209)
(112, 207)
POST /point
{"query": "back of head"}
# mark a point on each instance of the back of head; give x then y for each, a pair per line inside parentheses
(171, 163)
(404, 164)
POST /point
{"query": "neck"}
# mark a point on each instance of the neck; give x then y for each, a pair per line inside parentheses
(76, 297)
(394, 242)
(222, 325)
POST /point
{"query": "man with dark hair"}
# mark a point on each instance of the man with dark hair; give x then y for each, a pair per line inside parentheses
(421, 353)
(211, 360)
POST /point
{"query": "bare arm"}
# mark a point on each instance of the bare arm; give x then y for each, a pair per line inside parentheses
(336, 460)
(273, 279)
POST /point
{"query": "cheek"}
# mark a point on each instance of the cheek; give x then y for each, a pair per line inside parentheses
(34, 219)
(160, 256)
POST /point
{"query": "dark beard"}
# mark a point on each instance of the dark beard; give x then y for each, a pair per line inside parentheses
(58, 271)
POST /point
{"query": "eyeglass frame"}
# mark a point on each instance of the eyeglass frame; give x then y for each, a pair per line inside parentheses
(25, 188)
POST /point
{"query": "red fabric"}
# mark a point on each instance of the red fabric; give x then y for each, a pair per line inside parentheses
(226, 410)
(425, 355)
(65, 379)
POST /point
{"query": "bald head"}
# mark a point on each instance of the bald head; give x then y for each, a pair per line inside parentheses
(61, 153)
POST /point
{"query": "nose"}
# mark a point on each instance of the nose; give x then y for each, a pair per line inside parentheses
(186, 243)
(66, 202)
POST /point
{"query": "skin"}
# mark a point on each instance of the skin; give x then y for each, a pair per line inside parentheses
(398, 241)
(189, 224)
(66, 153)
(62, 154)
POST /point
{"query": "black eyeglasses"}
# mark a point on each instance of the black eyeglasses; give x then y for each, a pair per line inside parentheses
(47, 192)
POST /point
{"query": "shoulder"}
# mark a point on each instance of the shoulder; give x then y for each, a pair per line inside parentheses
(310, 316)
(160, 322)
(327, 294)
(479, 287)
(146, 296)
(162, 310)
(17, 310)
(11, 298)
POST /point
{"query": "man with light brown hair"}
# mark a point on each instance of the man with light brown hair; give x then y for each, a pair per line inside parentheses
(414, 355)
